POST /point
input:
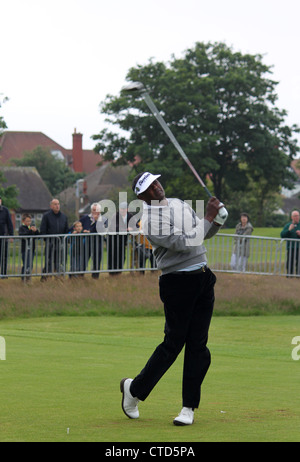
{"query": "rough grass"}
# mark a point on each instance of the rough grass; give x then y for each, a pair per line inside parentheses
(135, 294)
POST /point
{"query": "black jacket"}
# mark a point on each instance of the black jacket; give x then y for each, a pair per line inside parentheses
(6, 226)
(89, 225)
(54, 223)
(25, 231)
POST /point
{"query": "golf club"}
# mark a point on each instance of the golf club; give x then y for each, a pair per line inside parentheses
(139, 88)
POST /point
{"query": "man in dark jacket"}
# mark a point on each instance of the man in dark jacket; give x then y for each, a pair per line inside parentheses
(53, 222)
(292, 231)
(6, 229)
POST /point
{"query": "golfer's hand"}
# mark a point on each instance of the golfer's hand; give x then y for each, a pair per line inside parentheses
(212, 209)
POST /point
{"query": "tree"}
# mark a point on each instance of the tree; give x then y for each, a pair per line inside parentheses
(9, 194)
(220, 105)
(55, 173)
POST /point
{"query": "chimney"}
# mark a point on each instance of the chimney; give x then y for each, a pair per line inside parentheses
(77, 152)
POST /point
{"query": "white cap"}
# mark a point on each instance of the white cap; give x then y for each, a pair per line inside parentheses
(144, 182)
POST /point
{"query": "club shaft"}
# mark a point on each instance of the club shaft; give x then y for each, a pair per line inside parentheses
(167, 130)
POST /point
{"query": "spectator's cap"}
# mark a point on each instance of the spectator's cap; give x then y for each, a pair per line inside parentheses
(144, 182)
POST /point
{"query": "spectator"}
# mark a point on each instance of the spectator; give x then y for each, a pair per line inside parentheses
(241, 248)
(292, 231)
(77, 250)
(93, 223)
(28, 245)
(6, 229)
(53, 222)
(117, 242)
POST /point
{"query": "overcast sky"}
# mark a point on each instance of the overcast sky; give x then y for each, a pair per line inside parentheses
(60, 58)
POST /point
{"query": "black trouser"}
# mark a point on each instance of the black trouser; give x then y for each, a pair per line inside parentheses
(116, 251)
(292, 263)
(27, 259)
(3, 256)
(188, 303)
(53, 255)
(93, 248)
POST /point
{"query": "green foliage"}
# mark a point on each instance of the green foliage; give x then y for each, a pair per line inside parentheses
(220, 105)
(9, 194)
(258, 201)
(55, 173)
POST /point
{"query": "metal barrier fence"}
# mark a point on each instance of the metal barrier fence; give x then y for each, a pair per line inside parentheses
(74, 255)
(254, 255)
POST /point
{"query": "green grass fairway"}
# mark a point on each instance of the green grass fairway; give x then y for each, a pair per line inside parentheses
(63, 373)
(262, 232)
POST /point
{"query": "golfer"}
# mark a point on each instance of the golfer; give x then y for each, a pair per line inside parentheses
(186, 289)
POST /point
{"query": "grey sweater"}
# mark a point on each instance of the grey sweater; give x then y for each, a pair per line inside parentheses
(176, 235)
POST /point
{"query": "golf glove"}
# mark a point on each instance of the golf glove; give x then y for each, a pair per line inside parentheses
(222, 215)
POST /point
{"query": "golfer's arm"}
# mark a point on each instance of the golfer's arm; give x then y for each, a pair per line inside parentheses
(210, 229)
(179, 241)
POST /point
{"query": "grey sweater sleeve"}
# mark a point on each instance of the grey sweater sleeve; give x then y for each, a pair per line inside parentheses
(177, 235)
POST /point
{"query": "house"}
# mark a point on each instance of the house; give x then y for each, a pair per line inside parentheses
(13, 144)
(33, 195)
(98, 185)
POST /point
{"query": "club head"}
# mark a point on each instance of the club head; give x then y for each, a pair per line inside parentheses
(133, 86)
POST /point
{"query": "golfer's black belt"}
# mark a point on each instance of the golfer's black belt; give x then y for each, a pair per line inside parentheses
(198, 271)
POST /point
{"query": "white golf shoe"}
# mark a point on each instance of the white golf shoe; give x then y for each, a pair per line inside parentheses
(186, 417)
(129, 403)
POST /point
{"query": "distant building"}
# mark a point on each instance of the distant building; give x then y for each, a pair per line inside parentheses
(13, 144)
(33, 196)
(98, 185)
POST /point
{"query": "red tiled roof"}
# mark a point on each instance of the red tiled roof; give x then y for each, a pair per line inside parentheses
(296, 166)
(13, 144)
(90, 160)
